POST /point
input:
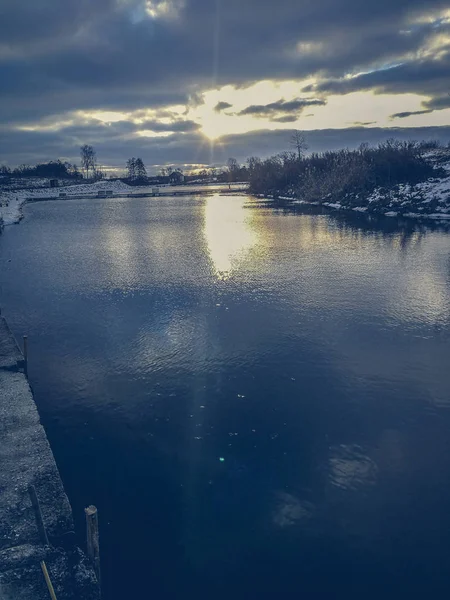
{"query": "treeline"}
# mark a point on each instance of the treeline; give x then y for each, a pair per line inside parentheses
(58, 169)
(53, 169)
(233, 172)
(335, 175)
(136, 174)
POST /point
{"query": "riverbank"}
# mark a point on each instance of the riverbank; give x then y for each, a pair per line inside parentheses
(418, 214)
(11, 201)
(391, 181)
(27, 460)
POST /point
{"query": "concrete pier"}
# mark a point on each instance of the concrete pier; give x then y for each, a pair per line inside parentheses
(27, 460)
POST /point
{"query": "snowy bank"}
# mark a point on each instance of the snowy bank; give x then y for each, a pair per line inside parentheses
(428, 199)
(11, 200)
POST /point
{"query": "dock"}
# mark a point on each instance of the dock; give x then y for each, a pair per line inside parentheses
(36, 523)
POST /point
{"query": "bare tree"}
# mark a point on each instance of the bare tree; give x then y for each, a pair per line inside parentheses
(298, 140)
(88, 159)
(233, 169)
(73, 171)
(99, 174)
(232, 165)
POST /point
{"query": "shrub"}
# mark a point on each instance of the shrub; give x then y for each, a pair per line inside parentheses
(344, 173)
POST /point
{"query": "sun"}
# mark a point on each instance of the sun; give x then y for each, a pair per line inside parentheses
(213, 125)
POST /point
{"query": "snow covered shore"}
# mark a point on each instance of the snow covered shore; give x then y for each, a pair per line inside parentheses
(426, 200)
(12, 197)
(11, 201)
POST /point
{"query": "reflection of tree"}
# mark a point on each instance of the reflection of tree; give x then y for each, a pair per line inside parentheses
(405, 233)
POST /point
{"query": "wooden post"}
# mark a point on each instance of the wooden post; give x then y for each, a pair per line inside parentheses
(93, 546)
(38, 515)
(25, 353)
(51, 591)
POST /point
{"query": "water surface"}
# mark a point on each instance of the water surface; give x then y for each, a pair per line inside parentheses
(258, 402)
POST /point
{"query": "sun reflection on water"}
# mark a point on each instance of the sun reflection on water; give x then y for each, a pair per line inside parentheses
(228, 233)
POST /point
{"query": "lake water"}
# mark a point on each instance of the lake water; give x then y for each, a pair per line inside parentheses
(258, 402)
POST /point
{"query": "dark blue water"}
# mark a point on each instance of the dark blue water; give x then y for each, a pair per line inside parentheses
(257, 402)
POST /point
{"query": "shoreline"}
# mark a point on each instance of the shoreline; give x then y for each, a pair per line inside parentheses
(27, 460)
(337, 206)
(13, 200)
(12, 213)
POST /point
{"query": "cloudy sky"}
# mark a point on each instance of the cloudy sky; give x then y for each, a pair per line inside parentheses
(190, 82)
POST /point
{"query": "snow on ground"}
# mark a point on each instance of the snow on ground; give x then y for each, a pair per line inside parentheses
(11, 200)
(429, 199)
(435, 192)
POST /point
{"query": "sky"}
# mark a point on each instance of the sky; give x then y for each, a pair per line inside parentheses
(193, 82)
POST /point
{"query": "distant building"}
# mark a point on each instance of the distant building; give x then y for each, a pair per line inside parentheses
(54, 183)
(175, 178)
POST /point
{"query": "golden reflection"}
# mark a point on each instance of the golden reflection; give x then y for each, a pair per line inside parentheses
(228, 233)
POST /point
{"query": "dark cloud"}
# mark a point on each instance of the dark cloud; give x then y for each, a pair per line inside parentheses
(222, 106)
(78, 55)
(280, 109)
(425, 76)
(404, 115)
(285, 119)
(115, 44)
(439, 102)
(24, 23)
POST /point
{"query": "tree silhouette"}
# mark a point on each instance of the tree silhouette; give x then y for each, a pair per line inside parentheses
(131, 168)
(88, 159)
(298, 140)
(140, 170)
